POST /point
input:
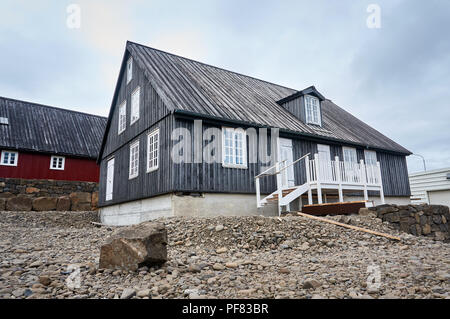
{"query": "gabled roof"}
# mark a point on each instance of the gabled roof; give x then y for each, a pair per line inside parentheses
(187, 85)
(47, 129)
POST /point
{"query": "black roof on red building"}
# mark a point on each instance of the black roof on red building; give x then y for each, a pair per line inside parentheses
(42, 128)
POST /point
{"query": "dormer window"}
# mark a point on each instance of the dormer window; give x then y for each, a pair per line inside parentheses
(312, 108)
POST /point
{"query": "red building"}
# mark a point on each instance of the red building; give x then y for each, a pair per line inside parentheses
(43, 142)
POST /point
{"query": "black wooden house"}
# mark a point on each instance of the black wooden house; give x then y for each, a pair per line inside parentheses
(318, 152)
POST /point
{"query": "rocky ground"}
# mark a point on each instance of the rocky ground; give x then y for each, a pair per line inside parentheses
(223, 257)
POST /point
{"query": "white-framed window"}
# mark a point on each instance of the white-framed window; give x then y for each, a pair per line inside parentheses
(109, 179)
(129, 69)
(135, 98)
(152, 150)
(57, 162)
(349, 155)
(122, 117)
(134, 160)
(370, 157)
(234, 147)
(9, 158)
(312, 108)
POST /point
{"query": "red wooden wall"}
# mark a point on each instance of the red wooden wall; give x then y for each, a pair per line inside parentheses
(37, 166)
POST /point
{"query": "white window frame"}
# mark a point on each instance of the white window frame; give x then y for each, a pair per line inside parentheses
(63, 162)
(351, 149)
(16, 158)
(134, 114)
(109, 190)
(134, 169)
(312, 111)
(129, 70)
(122, 125)
(367, 155)
(234, 132)
(153, 150)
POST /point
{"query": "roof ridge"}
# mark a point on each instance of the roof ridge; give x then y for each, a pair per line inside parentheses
(210, 65)
(51, 107)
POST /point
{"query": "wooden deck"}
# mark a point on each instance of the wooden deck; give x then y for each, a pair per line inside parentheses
(340, 208)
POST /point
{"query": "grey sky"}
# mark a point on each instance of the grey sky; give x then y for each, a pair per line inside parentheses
(395, 78)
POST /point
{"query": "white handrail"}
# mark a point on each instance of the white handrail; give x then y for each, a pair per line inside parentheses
(298, 159)
(263, 173)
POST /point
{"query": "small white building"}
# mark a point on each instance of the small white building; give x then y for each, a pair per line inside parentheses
(431, 187)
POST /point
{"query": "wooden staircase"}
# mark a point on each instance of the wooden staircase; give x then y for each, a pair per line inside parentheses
(274, 196)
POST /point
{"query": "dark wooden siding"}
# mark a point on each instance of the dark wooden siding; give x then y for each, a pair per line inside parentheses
(296, 107)
(394, 173)
(213, 177)
(145, 184)
(151, 109)
(216, 178)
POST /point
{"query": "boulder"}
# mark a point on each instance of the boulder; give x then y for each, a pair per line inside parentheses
(44, 203)
(367, 211)
(2, 203)
(19, 203)
(80, 201)
(7, 195)
(63, 203)
(132, 247)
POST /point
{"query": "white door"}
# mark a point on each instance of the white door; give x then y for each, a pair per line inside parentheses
(350, 164)
(109, 179)
(324, 162)
(285, 153)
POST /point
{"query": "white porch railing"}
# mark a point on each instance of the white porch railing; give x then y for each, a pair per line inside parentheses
(344, 172)
(323, 174)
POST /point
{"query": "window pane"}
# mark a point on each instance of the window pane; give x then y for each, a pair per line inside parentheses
(5, 158)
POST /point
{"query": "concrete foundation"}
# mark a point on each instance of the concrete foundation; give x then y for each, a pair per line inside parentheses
(207, 205)
(169, 205)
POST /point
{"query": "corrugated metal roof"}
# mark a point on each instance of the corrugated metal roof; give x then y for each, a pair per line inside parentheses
(185, 84)
(42, 128)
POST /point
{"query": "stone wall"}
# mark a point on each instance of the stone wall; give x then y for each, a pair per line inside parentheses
(428, 220)
(45, 195)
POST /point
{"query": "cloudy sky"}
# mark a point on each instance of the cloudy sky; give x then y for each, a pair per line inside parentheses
(395, 78)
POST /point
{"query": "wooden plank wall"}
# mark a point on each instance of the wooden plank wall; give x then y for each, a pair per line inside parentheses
(213, 177)
(145, 184)
(151, 110)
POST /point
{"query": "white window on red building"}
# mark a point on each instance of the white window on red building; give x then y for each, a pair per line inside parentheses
(9, 158)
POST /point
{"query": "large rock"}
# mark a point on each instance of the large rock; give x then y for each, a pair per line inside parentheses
(63, 203)
(44, 203)
(19, 203)
(132, 247)
(7, 195)
(80, 201)
(2, 203)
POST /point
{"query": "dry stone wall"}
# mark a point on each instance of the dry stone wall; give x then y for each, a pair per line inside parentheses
(427, 220)
(47, 195)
